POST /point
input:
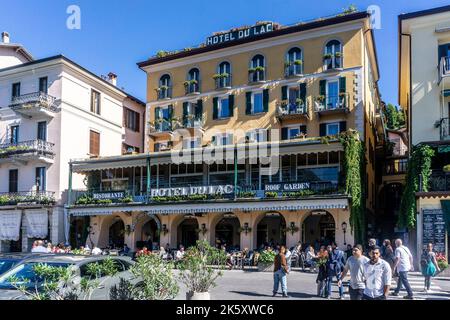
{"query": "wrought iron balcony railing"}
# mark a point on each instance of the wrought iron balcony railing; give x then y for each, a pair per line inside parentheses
(193, 123)
(27, 197)
(223, 82)
(332, 102)
(192, 88)
(438, 181)
(293, 70)
(256, 76)
(164, 93)
(32, 100)
(286, 108)
(24, 148)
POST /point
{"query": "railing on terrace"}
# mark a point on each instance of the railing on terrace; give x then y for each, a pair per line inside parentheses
(162, 126)
(38, 147)
(223, 82)
(27, 197)
(445, 128)
(256, 76)
(293, 70)
(193, 123)
(192, 88)
(332, 102)
(43, 99)
(438, 181)
(395, 166)
(288, 108)
(316, 188)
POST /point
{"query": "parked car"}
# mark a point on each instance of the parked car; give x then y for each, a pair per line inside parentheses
(24, 271)
(9, 260)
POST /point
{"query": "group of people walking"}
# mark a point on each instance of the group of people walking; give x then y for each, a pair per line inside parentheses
(371, 270)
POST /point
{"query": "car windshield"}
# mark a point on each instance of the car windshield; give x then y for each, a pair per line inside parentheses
(24, 273)
(6, 264)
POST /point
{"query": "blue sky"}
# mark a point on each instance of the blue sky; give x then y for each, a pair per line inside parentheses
(115, 35)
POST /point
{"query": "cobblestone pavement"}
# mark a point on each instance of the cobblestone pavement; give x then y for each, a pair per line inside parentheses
(253, 285)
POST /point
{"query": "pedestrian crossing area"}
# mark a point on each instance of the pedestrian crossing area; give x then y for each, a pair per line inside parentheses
(417, 283)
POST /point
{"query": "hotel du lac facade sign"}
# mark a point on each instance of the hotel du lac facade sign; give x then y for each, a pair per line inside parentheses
(240, 34)
(187, 191)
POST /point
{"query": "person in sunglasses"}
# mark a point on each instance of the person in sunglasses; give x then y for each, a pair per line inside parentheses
(377, 275)
(355, 264)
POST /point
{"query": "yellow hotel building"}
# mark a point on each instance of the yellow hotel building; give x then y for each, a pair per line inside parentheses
(212, 110)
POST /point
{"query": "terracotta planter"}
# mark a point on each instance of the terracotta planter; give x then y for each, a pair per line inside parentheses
(198, 296)
(265, 267)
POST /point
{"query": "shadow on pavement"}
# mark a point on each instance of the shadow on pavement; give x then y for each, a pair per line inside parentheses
(253, 294)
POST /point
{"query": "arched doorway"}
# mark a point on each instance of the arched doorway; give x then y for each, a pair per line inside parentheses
(79, 232)
(227, 231)
(117, 234)
(150, 235)
(187, 232)
(387, 218)
(319, 228)
(271, 230)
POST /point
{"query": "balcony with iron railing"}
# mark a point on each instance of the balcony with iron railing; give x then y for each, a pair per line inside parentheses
(223, 81)
(27, 198)
(192, 87)
(325, 104)
(27, 150)
(193, 122)
(293, 70)
(164, 92)
(34, 104)
(438, 181)
(444, 67)
(395, 166)
(160, 126)
(445, 128)
(292, 110)
(256, 75)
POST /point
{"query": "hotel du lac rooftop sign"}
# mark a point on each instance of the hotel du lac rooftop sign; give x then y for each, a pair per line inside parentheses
(240, 34)
(187, 191)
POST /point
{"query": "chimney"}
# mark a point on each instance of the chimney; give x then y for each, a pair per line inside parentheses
(5, 37)
(112, 78)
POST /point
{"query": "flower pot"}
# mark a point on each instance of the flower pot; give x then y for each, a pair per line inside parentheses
(198, 296)
(265, 267)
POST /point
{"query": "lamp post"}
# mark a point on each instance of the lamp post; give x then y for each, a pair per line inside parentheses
(344, 229)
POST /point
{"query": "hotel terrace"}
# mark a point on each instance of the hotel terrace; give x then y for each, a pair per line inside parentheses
(242, 142)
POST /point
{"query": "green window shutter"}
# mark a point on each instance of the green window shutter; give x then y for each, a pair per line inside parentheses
(323, 129)
(284, 133)
(213, 140)
(322, 87)
(343, 126)
(231, 104)
(199, 110)
(170, 112)
(342, 85)
(248, 104)
(157, 112)
(266, 100)
(215, 108)
(303, 92)
(185, 112)
(284, 93)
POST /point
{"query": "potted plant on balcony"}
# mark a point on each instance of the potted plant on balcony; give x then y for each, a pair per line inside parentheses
(266, 260)
(298, 62)
(338, 54)
(196, 273)
(327, 56)
(189, 82)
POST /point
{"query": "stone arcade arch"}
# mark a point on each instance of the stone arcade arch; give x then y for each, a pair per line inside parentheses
(319, 226)
(148, 229)
(226, 231)
(268, 229)
(116, 233)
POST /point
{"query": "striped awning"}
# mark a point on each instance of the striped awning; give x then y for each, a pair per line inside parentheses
(218, 206)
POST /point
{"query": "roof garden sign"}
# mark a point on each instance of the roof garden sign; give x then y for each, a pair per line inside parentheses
(234, 34)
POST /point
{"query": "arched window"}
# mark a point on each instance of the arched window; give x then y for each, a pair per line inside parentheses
(257, 69)
(165, 87)
(192, 84)
(223, 76)
(333, 55)
(294, 62)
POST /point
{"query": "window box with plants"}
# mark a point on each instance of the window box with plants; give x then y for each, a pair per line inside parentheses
(293, 68)
(163, 92)
(191, 86)
(266, 260)
(223, 80)
(256, 74)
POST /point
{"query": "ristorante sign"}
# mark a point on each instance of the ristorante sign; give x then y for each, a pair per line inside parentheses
(187, 191)
(280, 187)
(240, 34)
(111, 195)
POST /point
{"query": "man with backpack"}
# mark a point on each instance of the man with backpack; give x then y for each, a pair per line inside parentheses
(335, 266)
(429, 266)
(403, 264)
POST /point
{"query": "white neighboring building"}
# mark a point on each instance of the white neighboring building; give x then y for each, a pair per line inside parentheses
(52, 110)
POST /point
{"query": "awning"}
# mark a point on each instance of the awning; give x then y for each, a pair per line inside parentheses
(218, 206)
(105, 165)
(37, 224)
(10, 225)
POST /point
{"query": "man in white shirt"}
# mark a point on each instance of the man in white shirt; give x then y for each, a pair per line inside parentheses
(180, 254)
(355, 264)
(403, 264)
(288, 256)
(39, 247)
(377, 276)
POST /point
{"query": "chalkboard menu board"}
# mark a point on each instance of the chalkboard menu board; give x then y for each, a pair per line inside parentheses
(434, 229)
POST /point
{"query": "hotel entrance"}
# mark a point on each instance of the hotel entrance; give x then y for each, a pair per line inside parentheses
(319, 229)
(227, 231)
(270, 230)
(187, 232)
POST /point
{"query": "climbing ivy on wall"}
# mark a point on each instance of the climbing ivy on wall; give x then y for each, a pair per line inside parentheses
(354, 168)
(419, 165)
